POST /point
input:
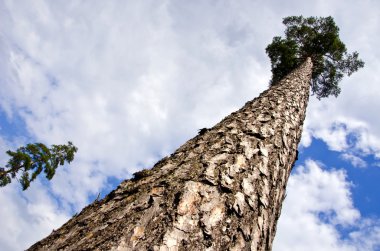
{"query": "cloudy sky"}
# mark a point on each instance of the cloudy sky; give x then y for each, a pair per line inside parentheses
(130, 81)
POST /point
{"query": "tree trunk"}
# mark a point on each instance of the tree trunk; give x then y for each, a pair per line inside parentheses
(221, 190)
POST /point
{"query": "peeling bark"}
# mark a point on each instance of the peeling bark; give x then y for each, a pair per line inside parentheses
(221, 190)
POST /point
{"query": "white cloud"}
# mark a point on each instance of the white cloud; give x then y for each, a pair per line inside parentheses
(342, 129)
(3, 148)
(27, 216)
(367, 237)
(354, 160)
(376, 164)
(317, 202)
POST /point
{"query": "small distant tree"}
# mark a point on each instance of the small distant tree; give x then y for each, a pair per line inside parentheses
(317, 38)
(32, 159)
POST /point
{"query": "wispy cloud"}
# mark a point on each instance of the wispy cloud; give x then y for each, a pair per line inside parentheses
(354, 160)
(28, 216)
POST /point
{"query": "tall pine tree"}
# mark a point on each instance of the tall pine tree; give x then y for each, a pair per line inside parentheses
(223, 189)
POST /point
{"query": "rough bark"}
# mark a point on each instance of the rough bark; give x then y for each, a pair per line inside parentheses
(221, 190)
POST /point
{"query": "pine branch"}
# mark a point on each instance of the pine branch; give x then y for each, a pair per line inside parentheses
(32, 159)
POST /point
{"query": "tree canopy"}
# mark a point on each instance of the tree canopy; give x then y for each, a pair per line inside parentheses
(32, 159)
(317, 38)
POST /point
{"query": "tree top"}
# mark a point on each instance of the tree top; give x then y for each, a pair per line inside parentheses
(317, 38)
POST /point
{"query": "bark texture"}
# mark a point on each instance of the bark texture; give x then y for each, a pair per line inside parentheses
(221, 190)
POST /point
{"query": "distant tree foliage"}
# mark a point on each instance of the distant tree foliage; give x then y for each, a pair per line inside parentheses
(32, 159)
(317, 38)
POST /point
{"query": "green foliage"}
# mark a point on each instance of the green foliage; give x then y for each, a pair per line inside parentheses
(32, 159)
(317, 38)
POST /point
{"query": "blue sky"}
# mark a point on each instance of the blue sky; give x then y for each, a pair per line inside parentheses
(129, 82)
